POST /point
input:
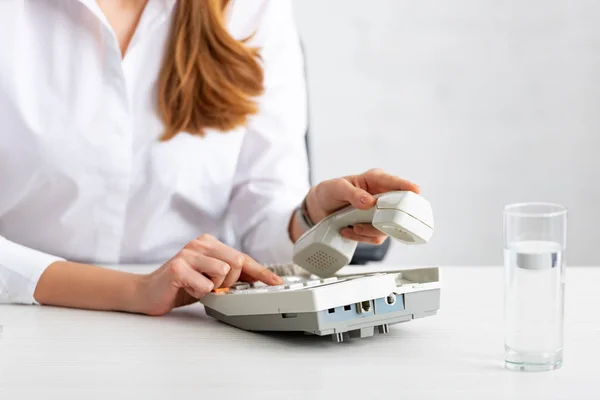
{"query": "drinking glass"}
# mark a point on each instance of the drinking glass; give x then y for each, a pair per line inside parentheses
(534, 285)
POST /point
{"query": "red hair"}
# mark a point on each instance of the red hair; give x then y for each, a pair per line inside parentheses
(208, 79)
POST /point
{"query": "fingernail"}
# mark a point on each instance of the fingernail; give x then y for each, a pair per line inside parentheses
(364, 199)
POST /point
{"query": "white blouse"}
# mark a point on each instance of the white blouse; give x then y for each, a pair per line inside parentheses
(83, 176)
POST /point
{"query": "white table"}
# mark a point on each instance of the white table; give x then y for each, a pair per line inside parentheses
(48, 353)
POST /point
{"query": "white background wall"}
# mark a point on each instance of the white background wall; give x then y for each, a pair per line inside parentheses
(481, 102)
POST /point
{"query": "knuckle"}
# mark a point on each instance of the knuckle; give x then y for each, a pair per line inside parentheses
(208, 286)
(207, 246)
(225, 268)
(186, 252)
(204, 290)
(206, 237)
(200, 245)
(342, 182)
(193, 244)
(177, 266)
(239, 262)
(375, 171)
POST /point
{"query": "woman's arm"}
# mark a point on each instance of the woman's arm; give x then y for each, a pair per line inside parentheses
(202, 265)
(30, 276)
(69, 284)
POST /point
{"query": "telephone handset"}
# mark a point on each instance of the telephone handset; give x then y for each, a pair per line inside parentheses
(403, 215)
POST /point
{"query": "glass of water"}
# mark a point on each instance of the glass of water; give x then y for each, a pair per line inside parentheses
(534, 286)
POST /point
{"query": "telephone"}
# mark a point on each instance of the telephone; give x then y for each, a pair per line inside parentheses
(345, 305)
(403, 215)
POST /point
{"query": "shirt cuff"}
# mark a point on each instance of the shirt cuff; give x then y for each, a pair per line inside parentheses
(20, 271)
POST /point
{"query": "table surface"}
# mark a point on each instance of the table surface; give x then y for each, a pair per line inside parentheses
(64, 353)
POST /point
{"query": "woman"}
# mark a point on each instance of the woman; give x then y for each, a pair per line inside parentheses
(141, 131)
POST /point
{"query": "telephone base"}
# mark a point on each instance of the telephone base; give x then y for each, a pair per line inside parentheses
(323, 323)
(345, 307)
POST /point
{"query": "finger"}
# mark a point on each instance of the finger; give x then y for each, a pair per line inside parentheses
(184, 276)
(256, 271)
(350, 234)
(233, 276)
(367, 230)
(238, 261)
(380, 182)
(213, 268)
(247, 278)
(214, 248)
(344, 191)
(234, 258)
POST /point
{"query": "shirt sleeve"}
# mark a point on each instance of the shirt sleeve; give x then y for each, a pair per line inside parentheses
(20, 270)
(272, 172)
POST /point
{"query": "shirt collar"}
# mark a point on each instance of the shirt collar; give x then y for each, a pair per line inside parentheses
(163, 6)
(155, 13)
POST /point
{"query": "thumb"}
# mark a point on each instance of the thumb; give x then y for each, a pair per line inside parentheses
(357, 197)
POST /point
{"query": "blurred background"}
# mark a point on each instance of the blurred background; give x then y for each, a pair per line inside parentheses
(480, 102)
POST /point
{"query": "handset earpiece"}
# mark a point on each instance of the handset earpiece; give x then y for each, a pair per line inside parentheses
(403, 215)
